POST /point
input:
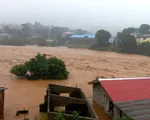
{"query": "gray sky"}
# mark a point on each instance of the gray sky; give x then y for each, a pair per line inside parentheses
(112, 15)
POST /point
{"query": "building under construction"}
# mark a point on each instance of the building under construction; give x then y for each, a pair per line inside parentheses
(68, 100)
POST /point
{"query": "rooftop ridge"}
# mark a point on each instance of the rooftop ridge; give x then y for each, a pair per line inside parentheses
(134, 78)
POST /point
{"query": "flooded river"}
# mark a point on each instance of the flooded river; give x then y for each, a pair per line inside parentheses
(84, 66)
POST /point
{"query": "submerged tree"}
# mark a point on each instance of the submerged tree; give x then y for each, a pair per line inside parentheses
(41, 67)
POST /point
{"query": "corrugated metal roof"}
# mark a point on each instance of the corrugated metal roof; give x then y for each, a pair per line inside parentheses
(126, 90)
(138, 110)
(143, 35)
(83, 36)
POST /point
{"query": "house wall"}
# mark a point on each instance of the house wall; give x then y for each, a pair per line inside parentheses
(140, 40)
(102, 99)
(82, 43)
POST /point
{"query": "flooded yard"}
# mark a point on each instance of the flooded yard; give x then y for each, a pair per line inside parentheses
(83, 65)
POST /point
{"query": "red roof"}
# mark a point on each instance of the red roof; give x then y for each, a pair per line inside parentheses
(126, 90)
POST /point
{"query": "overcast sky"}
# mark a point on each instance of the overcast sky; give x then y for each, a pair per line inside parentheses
(112, 15)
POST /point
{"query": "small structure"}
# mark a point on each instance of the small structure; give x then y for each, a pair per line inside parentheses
(2, 89)
(142, 38)
(123, 97)
(56, 99)
(82, 41)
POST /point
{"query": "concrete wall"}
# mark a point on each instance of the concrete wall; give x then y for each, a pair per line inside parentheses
(102, 99)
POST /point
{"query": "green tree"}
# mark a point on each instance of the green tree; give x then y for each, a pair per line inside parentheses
(144, 48)
(144, 28)
(128, 31)
(41, 67)
(126, 41)
(19, 70)
(102, 37)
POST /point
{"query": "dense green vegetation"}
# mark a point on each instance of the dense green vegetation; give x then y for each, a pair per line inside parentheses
(41, 67)
(128, 44)
(125, 41)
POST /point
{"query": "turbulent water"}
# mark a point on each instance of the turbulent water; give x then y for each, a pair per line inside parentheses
(84, 66)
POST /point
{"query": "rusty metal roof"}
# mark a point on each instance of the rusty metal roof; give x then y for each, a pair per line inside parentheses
(138, 110)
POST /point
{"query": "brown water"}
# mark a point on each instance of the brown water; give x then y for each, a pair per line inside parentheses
(84, 66)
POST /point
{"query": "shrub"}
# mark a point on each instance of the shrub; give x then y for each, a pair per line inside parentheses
(75, 115)
(60, 115)
(41, 67)
(19, 70)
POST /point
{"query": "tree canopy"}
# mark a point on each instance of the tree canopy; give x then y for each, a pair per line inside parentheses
(144, 29)
(102, 37)
(129, 30)
(41, 67)
(126, 41)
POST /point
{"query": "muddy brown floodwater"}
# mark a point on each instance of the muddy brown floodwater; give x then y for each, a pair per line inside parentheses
(84, 65)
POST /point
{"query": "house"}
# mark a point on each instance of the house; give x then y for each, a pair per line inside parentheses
(123, 97)
(82, 41)
(143, 38)
(2, 102)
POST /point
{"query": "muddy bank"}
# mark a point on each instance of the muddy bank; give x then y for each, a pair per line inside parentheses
(84, 66)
